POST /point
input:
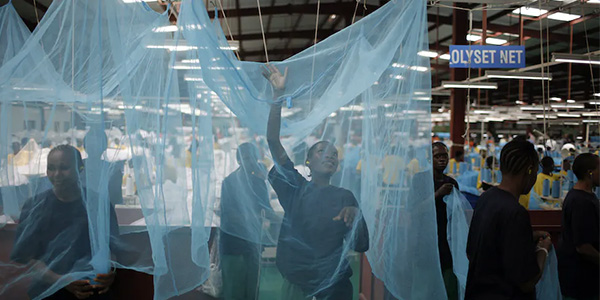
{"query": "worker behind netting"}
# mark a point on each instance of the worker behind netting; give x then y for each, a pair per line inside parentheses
(96, 143)
(245, 217)
(52, 237)
(318, 216)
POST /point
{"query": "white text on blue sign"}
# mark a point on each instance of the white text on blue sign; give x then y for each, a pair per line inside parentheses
(487, 57)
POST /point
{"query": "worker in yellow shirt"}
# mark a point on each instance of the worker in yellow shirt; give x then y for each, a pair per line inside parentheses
(491, 163)
(453, 166)
(546, 174)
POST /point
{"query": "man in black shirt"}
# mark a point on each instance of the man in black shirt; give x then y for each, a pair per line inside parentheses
(578, 256)
(443, 186)
(503, 260)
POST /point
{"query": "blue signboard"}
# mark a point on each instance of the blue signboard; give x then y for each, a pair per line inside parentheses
(487, 57)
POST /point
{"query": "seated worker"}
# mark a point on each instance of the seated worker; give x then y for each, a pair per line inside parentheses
(459, 156)
(53, 235)
(547, 164)
(318, 217)
(244, 202)
(578, 256)
(490, 164)
(506, 258)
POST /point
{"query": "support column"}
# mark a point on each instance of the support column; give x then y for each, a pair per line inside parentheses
(458, 97)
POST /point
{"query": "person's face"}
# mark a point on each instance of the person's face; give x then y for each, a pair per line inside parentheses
(440, 158)
(61, 170)
(249, 163)
(323, 159)
(529, 178)
(566, 165)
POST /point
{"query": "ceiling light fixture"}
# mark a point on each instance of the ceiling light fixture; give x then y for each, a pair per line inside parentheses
(529, 11)
(471, 85)
(495, 41)
(559, 16)
(426, 53)
(576, 58)
(515, 75)
(445, 56)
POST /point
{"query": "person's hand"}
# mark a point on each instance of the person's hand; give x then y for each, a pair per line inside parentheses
(275, 77)
(347, 214)
(543, 239)
(104, 281)
(82, 289)
(444, 190)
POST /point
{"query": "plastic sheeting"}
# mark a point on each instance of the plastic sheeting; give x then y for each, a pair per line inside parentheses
(549, 287)
(182, 122)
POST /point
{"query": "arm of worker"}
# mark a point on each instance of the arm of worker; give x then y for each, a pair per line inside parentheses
(353, 218)
(589, 253)
(521, 262)
(277, 80)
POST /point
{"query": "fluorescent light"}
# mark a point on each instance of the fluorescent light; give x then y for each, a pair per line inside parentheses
(332, 17)
(567, 106)
(591, 114)
(429, 54)
(473, 37)
(467, 85)
(419, 68)
(570, 101)
(569, 115)
(531, 107)
(521, 75)
(186, 67)
(576, 58)
(519, 102)
(591, 121)
(134, 1)
(191, 61)
(529, 11)
(397, 65)
(234, 45)
(563, 17)
(597, 94)
(482, 112)
(172, 47)
(547, 116)
(168, 28)
(495, 41)
(186, 78)
(445, 56)
(555, 99)
(593, 2)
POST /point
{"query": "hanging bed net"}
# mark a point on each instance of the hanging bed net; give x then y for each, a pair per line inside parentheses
(127, 146)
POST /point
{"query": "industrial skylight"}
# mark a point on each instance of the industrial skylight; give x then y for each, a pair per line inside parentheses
(529, 11)
(563, 16)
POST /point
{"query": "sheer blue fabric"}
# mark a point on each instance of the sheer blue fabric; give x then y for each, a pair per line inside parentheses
(460, 214)
(171, 127)
(549, 287)
(13, 32)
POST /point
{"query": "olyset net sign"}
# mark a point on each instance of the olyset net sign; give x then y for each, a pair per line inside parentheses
(487, 57)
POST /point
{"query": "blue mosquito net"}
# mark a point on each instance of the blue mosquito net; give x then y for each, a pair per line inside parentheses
(184, 146)
(13, 32)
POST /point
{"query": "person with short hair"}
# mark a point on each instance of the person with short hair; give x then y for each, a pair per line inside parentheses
(53, 232)
(578, 256)
(244, 203)
(506, 258)
(318, 217)
(547, 164)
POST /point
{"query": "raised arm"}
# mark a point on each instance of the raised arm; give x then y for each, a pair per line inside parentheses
(277, 80)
